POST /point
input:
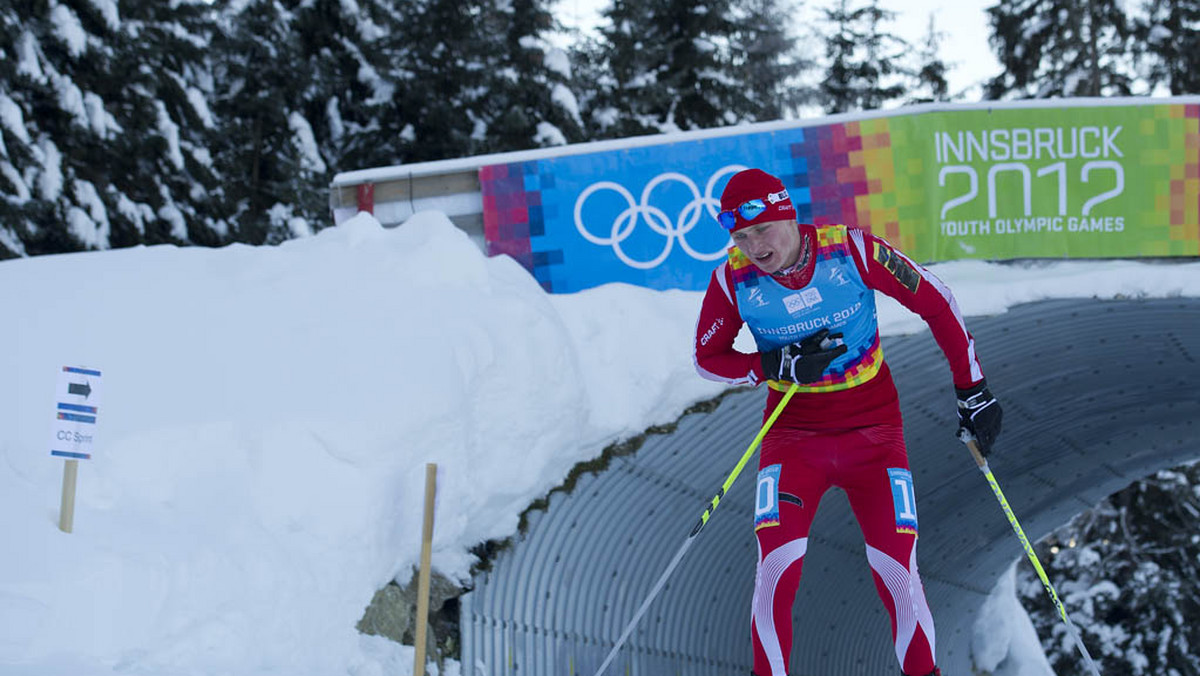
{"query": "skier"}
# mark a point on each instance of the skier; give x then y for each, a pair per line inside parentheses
(807, 294)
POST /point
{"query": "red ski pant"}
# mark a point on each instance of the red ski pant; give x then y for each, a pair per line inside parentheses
(796, 468)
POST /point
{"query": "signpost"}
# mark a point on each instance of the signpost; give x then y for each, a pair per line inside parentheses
(73, 437)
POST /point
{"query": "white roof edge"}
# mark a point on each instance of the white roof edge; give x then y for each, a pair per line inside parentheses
(380, 174)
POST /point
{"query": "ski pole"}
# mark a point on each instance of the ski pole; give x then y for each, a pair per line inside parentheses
(662, 579)
(973, 446)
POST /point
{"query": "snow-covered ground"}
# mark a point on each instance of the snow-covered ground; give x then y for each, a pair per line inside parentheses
(267, 414)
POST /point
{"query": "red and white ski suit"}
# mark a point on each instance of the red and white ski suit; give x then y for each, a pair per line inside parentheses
(847, 434)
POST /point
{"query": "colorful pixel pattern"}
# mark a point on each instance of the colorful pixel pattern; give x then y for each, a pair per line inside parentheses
(848, 173)
(1176, 169)
(1185, 181)
(513, 213)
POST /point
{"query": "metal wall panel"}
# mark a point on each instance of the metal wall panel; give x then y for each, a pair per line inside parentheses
(1096, 394)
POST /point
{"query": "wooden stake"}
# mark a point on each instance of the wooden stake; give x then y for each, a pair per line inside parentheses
(423, 573)
(66, 512)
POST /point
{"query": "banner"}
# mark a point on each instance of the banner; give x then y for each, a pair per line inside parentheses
(1019, 181)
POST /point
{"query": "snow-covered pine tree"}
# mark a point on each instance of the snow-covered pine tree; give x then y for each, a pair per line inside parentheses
(1128, 572)
(1050, 48)
(672, 68)
(349, 103)
(929, 72)
(837, 89)
(590, 78)
(767, 61)
(529, 101)
(165, 90)
(676, 65)
(446, 76)
(105, 133)
(261, 77)
(19, 159)
(863, 66)
(1170, 37)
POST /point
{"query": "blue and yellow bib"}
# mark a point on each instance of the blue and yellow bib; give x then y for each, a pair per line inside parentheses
(836, 298)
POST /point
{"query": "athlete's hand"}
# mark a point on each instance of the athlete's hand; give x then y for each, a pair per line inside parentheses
(979, 416)
(805, 361)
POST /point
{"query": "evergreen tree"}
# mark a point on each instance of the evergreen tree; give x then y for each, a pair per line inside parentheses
(1051, 48)
(54, 126)
(678, 66)
(1170, 35)
(1129, 574)
(438, 102)
(163, 56)
(766, 61)
(930, 71)
(349, 102)
(529, 102)
(837, 89)
(106, 144)
(18, 162)
(669, 60)
(864, 69)
(631, 101)
(591, 77)
(261, 77)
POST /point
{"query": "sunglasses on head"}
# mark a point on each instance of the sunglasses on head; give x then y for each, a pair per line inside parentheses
(749, 210)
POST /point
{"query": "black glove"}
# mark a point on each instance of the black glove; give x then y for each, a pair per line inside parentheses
(805, 361)
(978, 416)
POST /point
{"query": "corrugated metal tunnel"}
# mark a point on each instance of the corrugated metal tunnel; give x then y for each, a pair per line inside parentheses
(1096, 394)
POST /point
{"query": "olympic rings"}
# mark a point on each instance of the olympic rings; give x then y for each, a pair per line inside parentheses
(689, 217)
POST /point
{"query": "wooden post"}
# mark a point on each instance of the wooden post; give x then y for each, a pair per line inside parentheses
(66, 512)
(423, 573)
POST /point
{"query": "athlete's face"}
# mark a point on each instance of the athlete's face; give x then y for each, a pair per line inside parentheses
(772, 246)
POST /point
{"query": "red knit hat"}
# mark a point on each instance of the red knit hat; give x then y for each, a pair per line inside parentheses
(756, 184)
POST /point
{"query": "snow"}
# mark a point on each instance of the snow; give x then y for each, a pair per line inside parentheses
(557, 61)
(70, 98)
(333, 116)
(201, 155)
(28, 63)
(1159, 34)
(549, 135)
(22, 191)
(171, 214)
(305, 143)
(169, 131)
(95, 231)
(68, 30)
(83, 227)
(50, 180)
(102, 122)
(381, 90)
(198, 102)
(562, 95)
(9, 238)
(137, 213)
(12, 119)
(268, 413)
(285, 215)
(108, 10)
(1004, 642)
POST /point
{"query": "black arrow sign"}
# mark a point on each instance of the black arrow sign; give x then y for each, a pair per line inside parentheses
(83, 389)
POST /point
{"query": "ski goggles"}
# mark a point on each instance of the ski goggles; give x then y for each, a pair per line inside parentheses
(749, 210)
